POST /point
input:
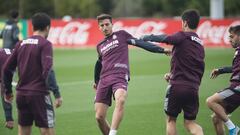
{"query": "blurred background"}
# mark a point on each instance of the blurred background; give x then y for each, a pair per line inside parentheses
(118, 8)
(74, 26)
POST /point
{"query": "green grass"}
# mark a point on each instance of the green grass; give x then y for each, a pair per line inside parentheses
(144, 113)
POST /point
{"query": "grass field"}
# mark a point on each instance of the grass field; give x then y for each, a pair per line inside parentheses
(144, 113)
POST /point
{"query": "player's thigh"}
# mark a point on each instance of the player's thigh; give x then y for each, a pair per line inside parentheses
(120, 89)
(172, 104)
(231, 99)
(25, 114)
(43, 112)
(104, 91)
(190, 103)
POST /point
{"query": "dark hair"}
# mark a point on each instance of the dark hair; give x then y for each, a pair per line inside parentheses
(40, 21)
(104, 16)
(192, 17)
(235, 29)
(13, 14)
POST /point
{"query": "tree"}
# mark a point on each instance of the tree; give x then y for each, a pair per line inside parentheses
(29, 7)
(77, 8)
(232, 7)
(127, 8)
(6, 6)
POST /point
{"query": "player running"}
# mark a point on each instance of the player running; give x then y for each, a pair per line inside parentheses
(227, 100)
(187, 68)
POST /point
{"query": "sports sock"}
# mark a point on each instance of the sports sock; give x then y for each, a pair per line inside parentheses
(229, 124)
(113, 132)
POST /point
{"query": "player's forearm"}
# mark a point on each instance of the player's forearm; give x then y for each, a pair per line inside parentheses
(52, 84)
(225, 70)
(7, 80)
(146, 45)
(7, 107)
(154, 38)
(97, 71)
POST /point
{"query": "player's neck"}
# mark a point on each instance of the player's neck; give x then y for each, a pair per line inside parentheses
(189, 30)
(40, 33)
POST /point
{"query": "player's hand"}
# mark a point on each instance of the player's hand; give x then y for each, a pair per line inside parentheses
(8, 98)
(167, 76)
(95, 86)
(9, 124)
(214, 73)
(167, 52)
(58, 102)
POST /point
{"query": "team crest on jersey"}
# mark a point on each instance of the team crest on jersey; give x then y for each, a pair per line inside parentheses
(114, 37)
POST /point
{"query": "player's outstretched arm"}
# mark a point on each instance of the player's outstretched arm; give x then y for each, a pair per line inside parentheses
(218, 71)
(148, 46)
(154, 38)
(97, 71)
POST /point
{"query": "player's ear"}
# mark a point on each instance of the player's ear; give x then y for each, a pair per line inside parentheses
(48, 28)
(185, 23)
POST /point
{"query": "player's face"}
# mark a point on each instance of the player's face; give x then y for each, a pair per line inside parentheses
(105, 26)
(234, 40)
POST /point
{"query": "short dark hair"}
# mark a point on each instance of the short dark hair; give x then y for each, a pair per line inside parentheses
(235, 29)
(13, 14)
(192, 17)
(104, 16)
(40, 21)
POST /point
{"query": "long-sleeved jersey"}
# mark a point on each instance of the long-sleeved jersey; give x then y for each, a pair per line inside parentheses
(10, 34)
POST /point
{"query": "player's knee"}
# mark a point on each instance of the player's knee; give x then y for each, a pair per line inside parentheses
(209, 102)
(99, 117)
(47, 131)
(193, 128)
(120, 101)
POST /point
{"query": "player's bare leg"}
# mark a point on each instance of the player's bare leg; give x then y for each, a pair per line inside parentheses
(24, 130)
(47, 131)
(120, 98)
(193, 127)
(218, 125)
(101, 112)
(171, 126)
(215, 104)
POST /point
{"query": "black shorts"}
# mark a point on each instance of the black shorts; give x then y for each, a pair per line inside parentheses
(231, 98)
(36, 108)
(182, 98)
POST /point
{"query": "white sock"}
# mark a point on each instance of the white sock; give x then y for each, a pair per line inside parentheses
(113, 132)
(229, 124)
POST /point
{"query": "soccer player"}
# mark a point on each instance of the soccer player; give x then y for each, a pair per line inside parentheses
(33, 58)
(10, 32)
(7, 107)
(187, 68)
(227, 100)
(112, 72)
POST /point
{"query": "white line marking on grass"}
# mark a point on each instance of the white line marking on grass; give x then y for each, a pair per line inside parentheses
(74, 83)
(91, 81)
